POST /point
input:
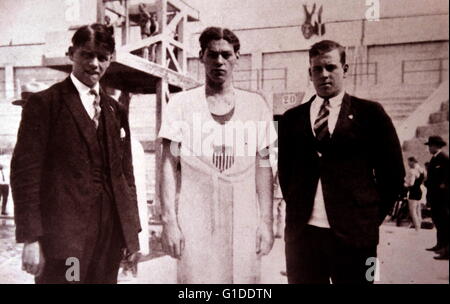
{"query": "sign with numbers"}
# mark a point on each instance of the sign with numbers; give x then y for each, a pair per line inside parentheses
(285, 101)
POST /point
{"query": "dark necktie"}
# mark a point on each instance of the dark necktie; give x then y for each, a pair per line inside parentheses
(96, 105)
(321, 123)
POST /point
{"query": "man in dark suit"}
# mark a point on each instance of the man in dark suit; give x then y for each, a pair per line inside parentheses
(71, 174)
(4, 190)
(341, 170)
(438, 195)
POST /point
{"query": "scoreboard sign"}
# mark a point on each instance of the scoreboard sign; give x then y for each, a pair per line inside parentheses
(285, 101)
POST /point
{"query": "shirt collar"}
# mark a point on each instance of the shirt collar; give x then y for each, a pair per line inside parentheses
(335, 101)
(81, 87)
(435, 154)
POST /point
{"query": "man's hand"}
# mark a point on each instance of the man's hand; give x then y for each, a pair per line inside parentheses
(264, 239)
(172, 240)
(33, 258)
(130, 262)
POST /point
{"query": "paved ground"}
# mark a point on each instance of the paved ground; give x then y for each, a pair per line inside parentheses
(10, 256)
(402, 259)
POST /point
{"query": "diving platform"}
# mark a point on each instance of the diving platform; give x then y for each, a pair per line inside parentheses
(132, 74)
(129, 71)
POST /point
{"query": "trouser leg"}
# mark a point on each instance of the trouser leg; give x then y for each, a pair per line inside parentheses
(351, 265)
(306, 262)
(107, 250)
(4, 193)
(102, 252)
(439, 214)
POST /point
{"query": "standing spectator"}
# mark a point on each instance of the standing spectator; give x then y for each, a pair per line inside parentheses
(4, 189)
(109, 25)
(413, 182)
(438, 195)
(149, 27)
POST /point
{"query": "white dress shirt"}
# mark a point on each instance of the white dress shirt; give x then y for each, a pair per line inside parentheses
(435, 154)
(319, 216)
(87, 99)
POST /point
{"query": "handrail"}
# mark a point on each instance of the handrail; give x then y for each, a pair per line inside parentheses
(441, 67)
(261, 77)
(355, 72)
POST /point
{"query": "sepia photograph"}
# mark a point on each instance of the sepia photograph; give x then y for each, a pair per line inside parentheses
(224, 142)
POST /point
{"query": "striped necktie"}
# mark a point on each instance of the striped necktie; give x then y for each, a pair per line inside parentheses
(321, 123)
(96, 105)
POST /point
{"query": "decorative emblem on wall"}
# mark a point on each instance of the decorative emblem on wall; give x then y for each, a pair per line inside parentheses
(308, 28)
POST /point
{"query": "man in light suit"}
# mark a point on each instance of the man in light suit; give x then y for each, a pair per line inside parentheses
(71, 174)
(341, 170)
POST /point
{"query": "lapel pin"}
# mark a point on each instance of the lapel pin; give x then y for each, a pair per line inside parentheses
(350, 116)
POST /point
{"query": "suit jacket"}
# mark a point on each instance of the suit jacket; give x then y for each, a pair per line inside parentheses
(437, 178)
(361, 170)
(54, 174)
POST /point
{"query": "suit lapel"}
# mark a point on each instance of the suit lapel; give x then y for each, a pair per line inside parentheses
(306, 127)
(111, 129)
(345, 118)
(87, 127)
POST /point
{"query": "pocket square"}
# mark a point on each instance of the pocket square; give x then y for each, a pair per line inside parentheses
(123, 134)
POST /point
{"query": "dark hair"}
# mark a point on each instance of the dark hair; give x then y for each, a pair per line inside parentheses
(412, 159)
(218, 33)
(99, 33)
(326, 46)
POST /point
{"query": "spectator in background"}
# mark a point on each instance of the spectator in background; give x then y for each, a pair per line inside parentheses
(149, 27)
(139, 170)
(4, 189)
(438, 195)
(109, 25)
(27, 89)
(413, 181)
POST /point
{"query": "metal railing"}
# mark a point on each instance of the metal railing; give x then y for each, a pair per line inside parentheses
(434, 66)
(361, 69)
(260, 78)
